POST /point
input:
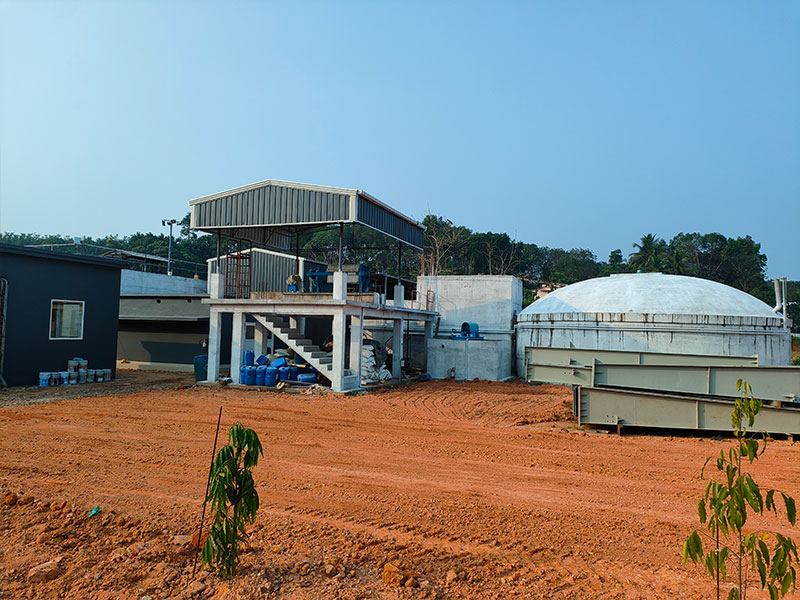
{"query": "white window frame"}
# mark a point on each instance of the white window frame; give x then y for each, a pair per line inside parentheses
(50, 320)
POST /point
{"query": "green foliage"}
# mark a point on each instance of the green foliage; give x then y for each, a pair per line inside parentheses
(233, 499)
(724, 509)
(457, 250)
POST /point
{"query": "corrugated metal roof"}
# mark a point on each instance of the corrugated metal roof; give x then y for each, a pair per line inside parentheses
(71, 257)
(284, 207)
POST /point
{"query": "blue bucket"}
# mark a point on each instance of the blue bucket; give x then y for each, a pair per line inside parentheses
(44, 379)
(261, 373)
(250, 375)
(271, 376)
(249, 357)
(307, 377)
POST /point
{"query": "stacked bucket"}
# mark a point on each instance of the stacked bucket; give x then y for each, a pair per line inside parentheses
(78, 371)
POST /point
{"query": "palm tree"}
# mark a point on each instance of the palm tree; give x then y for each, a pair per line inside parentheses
(648, 253)
(675, 262)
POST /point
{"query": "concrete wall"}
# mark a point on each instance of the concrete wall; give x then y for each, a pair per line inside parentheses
(692, 335)
(484, 359)
(491, 301)
(139, 282)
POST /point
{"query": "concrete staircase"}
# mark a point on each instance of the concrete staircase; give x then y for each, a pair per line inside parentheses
(313, 355)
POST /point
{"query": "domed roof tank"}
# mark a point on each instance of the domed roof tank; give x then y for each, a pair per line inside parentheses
(653, 312)
(651, 293)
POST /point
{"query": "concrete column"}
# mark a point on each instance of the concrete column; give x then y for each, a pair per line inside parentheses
(426, 341)
(339, 285)
(237, 345)
(399, 295)
(214, 344)
(216, 282)
(397, 348)
(339, 336)
(262, 337)
(356, 341)
(298, 323)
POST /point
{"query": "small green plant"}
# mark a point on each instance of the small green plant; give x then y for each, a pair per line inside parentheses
(724, 509)
(233, 499)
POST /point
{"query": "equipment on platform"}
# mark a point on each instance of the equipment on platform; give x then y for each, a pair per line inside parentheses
(469, 331)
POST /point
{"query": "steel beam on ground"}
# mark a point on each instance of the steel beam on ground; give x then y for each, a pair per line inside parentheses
(611, 406)
(778, 384)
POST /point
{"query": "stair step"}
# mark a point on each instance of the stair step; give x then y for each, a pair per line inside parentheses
(325, 361)
(317, 354)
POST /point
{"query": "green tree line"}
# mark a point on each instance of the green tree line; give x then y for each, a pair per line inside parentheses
(455, 249)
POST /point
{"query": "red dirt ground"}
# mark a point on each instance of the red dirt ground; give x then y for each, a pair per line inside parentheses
(484, 490)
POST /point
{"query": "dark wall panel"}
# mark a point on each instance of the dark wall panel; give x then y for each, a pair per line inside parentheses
(32, 283)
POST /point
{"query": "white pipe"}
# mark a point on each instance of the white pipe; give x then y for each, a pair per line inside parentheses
(778, 301)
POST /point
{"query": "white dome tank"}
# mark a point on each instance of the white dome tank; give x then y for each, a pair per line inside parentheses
(653, 312)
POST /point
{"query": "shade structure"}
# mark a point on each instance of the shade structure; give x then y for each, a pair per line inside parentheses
(269, 213)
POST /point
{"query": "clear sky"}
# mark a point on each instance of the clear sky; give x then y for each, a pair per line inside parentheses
(566, 124)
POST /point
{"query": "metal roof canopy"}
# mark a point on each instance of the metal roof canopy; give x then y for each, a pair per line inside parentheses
(267, 213)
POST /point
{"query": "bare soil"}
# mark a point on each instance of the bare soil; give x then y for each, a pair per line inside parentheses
(127, 381)
(478, 490)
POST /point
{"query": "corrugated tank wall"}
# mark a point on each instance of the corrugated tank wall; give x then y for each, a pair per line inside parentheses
(269, 271)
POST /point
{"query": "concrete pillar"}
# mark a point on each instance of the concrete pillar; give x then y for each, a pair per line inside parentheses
(397, 348)
(339, 285)
(214, 344)
(298, 323)
(356, 341)
(399, 295)
(216, 281)
(426, 340)
(339, 336)
(262, 338)
(237, 345)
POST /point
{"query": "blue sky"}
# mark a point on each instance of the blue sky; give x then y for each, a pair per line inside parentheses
(566, 124)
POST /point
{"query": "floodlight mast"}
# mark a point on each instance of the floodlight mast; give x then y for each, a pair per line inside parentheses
(169, 222)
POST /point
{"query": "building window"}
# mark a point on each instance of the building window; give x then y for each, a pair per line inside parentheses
(66, 319)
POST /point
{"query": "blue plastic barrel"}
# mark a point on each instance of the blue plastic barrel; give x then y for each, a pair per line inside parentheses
(271, 376)
(278, 362)
(284, 374)
(293, 371)
(307, 377)
(243, 375)
(261, 373)
(250, 375)
(262, 360)
(249, 358)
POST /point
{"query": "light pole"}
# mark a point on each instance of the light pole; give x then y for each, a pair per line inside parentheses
(169, 222)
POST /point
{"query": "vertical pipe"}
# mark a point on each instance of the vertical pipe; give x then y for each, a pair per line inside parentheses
(399, 260)
(341, 241)
(297, 253)
(169, 249)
